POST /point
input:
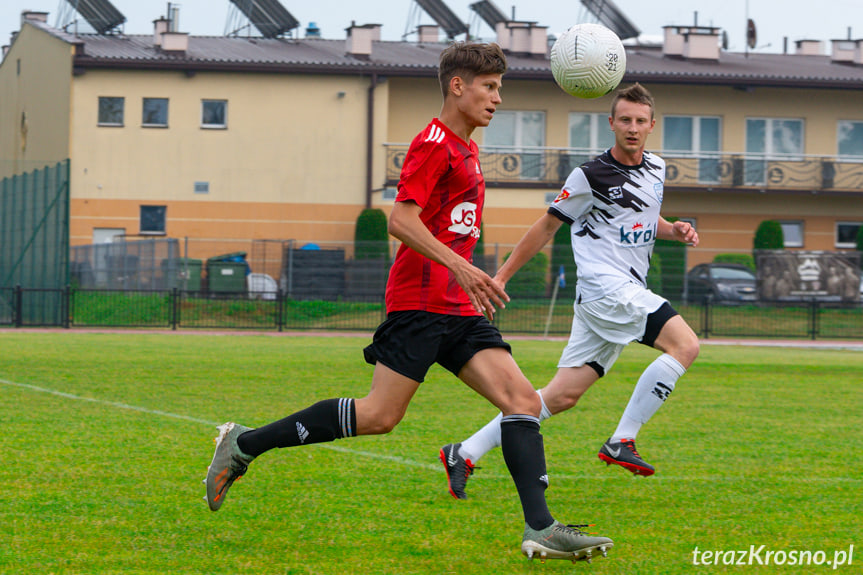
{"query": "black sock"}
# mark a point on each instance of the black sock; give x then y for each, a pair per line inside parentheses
(324, 421)
(524, 455)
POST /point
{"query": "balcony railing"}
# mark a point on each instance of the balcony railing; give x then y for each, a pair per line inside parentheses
(549, 167)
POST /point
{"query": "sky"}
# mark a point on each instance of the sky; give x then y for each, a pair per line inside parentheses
(774, 19)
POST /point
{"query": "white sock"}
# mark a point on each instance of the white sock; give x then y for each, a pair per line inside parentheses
(488, 437)
(653, 388)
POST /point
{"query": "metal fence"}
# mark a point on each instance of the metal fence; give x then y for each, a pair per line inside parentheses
(177, 309)
(34, 239)
(544, 167)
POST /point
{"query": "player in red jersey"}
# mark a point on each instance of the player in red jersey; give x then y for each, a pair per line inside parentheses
(437, 303)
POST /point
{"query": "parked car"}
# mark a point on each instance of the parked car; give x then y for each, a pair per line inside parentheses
(724, 283)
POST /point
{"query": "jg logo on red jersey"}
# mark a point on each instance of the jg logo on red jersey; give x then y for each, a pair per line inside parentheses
(463, 218)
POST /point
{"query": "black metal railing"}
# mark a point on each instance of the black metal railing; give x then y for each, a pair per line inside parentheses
(177, 309)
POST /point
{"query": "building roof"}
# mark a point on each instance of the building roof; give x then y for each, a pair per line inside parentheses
(327, 56)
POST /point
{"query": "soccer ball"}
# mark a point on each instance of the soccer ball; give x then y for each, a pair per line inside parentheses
(588, 60)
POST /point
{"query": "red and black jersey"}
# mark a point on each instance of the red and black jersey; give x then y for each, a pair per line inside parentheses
(441, 174)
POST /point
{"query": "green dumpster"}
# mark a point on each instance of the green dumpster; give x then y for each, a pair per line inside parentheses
(182, 273)
(227, 273)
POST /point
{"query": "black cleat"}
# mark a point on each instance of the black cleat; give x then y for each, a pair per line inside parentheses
(458, 469)
(625, 454)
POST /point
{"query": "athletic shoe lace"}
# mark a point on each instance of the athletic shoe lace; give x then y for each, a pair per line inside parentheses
(631, 446)
(577, 528)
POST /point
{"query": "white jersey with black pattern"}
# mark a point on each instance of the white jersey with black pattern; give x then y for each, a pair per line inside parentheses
(613, 211)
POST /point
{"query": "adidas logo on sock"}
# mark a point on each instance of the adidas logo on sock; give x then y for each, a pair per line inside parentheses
(302, 432)
(544, 479)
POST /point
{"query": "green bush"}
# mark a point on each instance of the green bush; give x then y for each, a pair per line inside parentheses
(769, 236)
(530, 280)
(655, 279)
(742, 259)
(860, 242)
(371, 238)
(561, 255)
(667, 268)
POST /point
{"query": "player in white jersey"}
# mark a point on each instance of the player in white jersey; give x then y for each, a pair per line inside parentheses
(612, 205)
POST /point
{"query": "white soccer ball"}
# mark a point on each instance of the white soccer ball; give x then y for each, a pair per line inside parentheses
(588, 60)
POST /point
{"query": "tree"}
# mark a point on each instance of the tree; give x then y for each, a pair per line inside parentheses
(371, 238)
(561, 255)
(769, 236)
(530, 280)
(742, 259)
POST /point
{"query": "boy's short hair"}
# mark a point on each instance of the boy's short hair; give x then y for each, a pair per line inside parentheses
(468, 60)
(636, 94)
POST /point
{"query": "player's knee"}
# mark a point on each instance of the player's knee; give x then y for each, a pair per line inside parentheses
(382, 423)
(524, 401)
(375, 419)
(687, 351)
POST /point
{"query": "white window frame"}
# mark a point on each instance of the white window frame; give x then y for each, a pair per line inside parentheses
(141, 217)
(712, 156)
(154, 124)
(119, 124)
(754, 158)
(796, 224)
(212, 126)
(838, 129)
(852, 244)
(519, 149)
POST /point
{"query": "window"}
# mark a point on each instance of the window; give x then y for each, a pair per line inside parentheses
(695, 136)
(155, 112)
(202, 187)
(111, 111)
(515, 132)
(792, 232)
(850, 136)
(214, 113)
(846, 234)
(770, 138)
(153, 220)
(590, 135)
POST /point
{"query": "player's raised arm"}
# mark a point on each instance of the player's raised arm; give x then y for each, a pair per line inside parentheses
(528, 246)
(405, 225)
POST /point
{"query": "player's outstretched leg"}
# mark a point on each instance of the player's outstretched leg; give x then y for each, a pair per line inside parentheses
(559, 541)
(625, 454)
(228, 465)
(458, 469)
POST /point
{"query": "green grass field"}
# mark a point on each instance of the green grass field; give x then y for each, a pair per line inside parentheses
(106, 438)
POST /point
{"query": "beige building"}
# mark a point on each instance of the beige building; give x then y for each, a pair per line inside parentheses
(269, 138)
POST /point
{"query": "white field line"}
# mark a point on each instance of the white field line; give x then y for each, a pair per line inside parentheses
(418, 464)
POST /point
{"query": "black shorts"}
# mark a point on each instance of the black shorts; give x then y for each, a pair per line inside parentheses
(409, 342)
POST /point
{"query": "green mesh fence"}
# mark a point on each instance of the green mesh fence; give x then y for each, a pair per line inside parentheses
(34, 244)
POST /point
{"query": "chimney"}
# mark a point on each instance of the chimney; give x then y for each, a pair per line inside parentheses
(33, 16)
(160, 26)
(175, 42)
(428, 33)
(809, 47)
(673, 43)
(360, 38)
(691, 42)
(165, 34)
(842, 50)
(522, 37)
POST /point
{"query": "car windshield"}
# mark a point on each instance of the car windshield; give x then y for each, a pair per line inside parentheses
(731, 274)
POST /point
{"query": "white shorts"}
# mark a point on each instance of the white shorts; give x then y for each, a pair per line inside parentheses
(602, 328)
